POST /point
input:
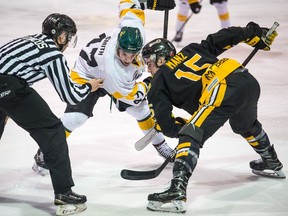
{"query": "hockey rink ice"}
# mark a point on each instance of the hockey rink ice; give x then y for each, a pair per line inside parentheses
(222, 183)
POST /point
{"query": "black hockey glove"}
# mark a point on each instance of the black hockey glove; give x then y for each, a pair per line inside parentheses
(147, 80)
(147, 83)
(161, 4)
(257, 36)
(181, 121)
(195, 7)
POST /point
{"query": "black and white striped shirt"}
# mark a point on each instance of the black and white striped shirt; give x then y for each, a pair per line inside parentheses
(36, 57)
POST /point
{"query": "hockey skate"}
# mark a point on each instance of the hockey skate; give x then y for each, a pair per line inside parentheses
(269, 165)
(164, 150)
(172, 200)
(40, 166)
(178, 37)
(70, 203)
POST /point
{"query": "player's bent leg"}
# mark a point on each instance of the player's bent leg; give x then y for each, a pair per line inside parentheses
(182, 16)
(158, 140)
(223, 14)
(146, 124)
(174, 199)
(171, 200)
(73, 120)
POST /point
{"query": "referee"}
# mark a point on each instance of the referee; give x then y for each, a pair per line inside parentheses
(26, 60)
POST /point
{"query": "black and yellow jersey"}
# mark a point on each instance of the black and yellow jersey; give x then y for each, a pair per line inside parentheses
(179, 82)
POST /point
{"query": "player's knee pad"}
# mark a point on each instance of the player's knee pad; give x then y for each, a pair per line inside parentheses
(147, 123)
(192, 131)
(73, 120)
(245, 131)
(184, 8)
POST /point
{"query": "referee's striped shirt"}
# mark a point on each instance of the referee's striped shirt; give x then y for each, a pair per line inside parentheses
(36, 57)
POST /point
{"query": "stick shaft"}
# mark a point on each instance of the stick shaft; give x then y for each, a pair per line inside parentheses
(182, 27)
(165, 28)
(251, 55)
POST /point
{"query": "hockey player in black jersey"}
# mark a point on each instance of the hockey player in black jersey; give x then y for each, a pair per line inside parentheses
(26, 60)
(213, 91)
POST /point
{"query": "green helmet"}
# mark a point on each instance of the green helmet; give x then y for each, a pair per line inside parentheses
(130, 40)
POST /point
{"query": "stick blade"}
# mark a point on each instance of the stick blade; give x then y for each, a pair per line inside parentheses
(144, 141)
(138, 175)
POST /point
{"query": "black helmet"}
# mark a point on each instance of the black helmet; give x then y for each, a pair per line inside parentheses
(158, 47)
(130, 40)
(56, 23)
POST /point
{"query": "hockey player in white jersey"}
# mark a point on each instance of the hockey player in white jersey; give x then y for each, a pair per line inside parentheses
(195, 6)
(115, 57)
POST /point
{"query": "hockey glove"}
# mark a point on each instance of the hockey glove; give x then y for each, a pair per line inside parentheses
(157, 128)
(161, 4)
(258, 38)
(195, 6)
(181, 121)
(147, 82)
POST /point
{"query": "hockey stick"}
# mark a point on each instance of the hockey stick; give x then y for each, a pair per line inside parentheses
(145, 140)
(182, 27)
(145, 175)
(165, 28)
(274, 26)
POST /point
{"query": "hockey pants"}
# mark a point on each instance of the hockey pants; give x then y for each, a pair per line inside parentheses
(28, 110)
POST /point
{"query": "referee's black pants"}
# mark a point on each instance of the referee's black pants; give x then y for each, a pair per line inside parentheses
(27, 109)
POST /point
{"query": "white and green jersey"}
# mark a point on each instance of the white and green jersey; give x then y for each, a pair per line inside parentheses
(98, 59)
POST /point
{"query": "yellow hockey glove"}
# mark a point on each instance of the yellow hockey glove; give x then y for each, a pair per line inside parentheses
(258, 36)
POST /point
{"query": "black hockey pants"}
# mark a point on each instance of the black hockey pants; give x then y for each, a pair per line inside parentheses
(234, 99)
(27, 108)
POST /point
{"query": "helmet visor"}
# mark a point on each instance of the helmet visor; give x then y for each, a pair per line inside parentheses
(72, 40)
(151, 57)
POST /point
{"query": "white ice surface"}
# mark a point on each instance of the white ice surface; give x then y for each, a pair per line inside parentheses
(222, 183)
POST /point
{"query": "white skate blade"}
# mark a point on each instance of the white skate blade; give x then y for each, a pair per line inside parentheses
(39, 170)
(175, 206)
(270, 173)
(70, 209)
